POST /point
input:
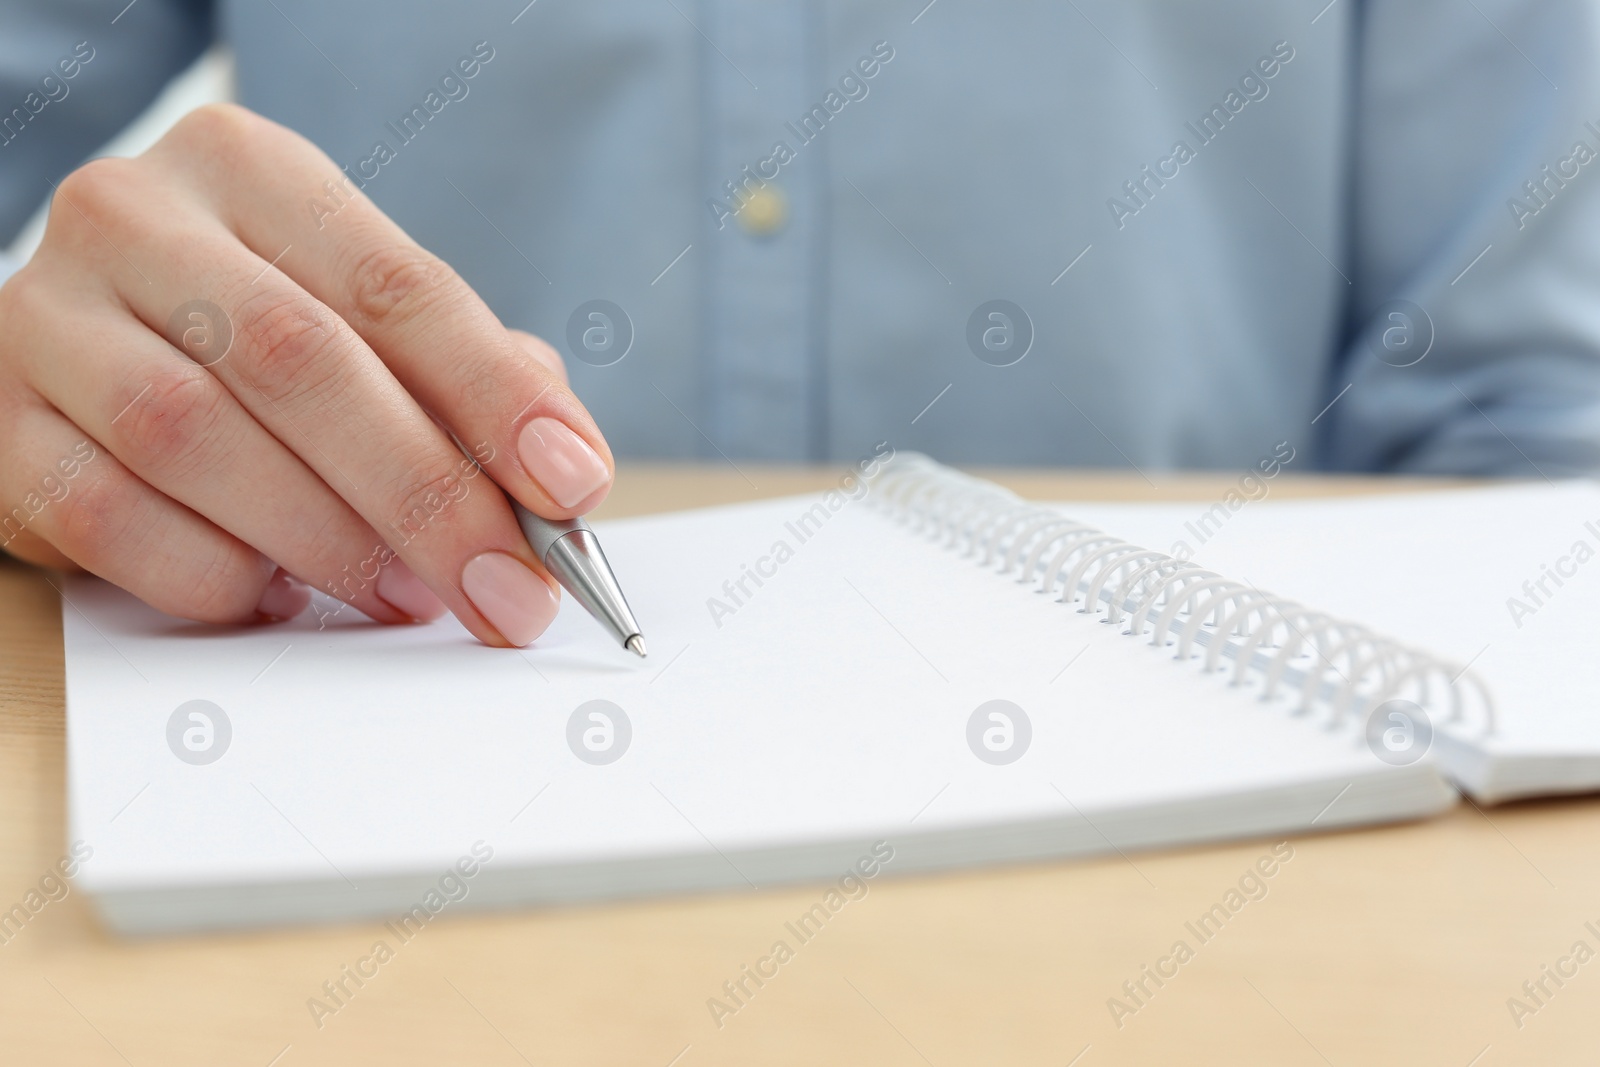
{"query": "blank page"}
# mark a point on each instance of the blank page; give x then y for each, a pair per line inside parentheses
(831, 702)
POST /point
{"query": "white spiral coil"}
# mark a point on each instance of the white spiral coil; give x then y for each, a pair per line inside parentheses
(1336, 666)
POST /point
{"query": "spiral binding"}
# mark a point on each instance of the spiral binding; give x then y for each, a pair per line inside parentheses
(1338, 666)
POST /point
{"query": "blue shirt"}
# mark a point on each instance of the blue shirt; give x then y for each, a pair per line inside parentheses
(1119, 234)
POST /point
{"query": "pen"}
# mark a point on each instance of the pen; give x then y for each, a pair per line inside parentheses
(570, 551)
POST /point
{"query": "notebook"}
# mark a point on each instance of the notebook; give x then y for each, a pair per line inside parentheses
(912, 672)
(1504, 578)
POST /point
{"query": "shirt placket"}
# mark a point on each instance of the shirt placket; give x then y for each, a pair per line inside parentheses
(763, 235)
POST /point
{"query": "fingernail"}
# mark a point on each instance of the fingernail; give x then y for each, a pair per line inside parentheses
(401, 589)
(285, 596)
(518, 602)
(561, 462)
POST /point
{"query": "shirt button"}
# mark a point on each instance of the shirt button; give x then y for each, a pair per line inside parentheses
(765, 211)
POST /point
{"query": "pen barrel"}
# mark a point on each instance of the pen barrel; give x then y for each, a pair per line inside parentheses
(571, 553)
(542, 534)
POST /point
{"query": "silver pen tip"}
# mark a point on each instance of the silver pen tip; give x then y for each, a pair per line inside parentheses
(636, 643)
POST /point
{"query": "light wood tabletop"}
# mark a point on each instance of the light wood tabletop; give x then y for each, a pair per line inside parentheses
(1397, 945)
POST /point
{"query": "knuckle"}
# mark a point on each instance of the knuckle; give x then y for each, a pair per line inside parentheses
(100, 520)
(286, 344)
(167, 419)
(223, 588)
(394, 282)
(486, 385)
(502, 391)
(424, 499)
(329, 539)
(217, 123)
(95, 191)
(25, 297)
(216, 145)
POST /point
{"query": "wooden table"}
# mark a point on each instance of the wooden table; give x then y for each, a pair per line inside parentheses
(1397, 945)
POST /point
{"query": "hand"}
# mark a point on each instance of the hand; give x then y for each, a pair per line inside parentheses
(214, 396)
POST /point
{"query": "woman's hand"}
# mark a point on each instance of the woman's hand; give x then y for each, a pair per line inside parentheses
(212, 392)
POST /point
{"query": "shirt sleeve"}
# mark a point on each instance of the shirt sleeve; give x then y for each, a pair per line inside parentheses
(73, 73)
(1474, 273)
